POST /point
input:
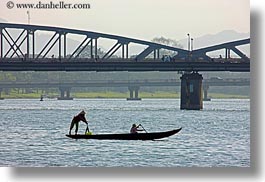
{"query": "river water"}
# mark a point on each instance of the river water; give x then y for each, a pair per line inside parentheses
(32, 133)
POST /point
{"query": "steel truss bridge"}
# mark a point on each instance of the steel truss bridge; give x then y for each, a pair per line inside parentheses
(21, 53)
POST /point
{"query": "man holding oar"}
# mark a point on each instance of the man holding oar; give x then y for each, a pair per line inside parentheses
(76, 120)
(134, 128)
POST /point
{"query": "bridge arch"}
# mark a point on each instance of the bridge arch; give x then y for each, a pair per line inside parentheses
(27, 38)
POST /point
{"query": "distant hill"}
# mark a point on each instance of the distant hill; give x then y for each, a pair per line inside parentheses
(212, 39)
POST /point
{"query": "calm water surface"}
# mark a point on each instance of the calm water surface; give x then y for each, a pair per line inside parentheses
(32, 133)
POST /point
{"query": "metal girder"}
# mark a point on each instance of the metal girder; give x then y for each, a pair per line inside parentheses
(229, 45)
(239, 53)
(145, 53)
(64, 47)
(14, 43)
(156, 53)
(81, 50)
(123, 41)
(125, 51)
(51, 47)
(46, 45)
(221, 46)
(116, 65)
(112, 50)
(1, 42)
(80, 45)
(18, 46)
(33, 44)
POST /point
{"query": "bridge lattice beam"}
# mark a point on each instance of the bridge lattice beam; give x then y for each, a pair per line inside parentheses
(227, 46)
(62, 46)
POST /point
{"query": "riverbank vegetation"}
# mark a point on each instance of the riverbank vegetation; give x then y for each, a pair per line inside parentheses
(112, 92)
(109, 94)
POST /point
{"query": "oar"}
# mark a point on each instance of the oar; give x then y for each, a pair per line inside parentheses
(143, 128)
(87, 129)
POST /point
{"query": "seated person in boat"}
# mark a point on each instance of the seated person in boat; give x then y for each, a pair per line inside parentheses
(135, 129)
(75, 121)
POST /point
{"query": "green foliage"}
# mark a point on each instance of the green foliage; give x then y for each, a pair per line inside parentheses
(7, 76)
(109, 94)
(166, 41)
(86, 53)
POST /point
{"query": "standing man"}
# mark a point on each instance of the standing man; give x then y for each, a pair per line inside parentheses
(75, 121)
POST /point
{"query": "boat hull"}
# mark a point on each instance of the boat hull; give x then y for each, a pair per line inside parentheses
(127, 136)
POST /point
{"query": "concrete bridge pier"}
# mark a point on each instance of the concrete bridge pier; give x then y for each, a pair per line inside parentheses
(205, 92)
(1, 98)
(65, 93)
(191, 91)
(135, 90)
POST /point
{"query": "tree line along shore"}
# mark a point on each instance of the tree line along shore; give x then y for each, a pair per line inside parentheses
(111, 94)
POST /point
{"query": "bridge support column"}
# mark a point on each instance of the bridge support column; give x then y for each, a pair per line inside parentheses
(136, 93)
(191, 91)
(0, 94)
(65, 93)
(135, 90)
(205, 93)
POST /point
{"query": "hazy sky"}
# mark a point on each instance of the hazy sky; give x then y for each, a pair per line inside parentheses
(143, 19)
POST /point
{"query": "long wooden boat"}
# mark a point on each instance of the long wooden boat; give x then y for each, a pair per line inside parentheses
(127, 136)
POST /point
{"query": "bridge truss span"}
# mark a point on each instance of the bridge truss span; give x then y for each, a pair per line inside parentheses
(22, 50)
(27, 38)
(202, 53)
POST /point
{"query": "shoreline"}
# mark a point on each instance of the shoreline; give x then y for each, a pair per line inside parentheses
(118, 95)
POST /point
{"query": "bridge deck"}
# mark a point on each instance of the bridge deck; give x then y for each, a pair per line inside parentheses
(118, 65)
